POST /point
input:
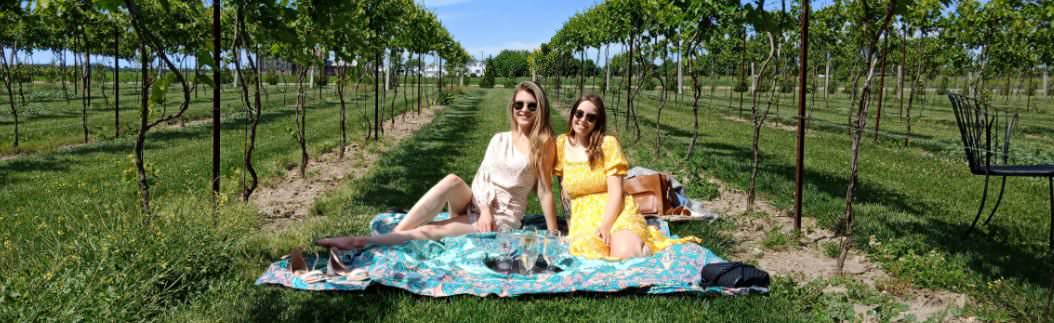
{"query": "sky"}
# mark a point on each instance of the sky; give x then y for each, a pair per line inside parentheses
(485, 27)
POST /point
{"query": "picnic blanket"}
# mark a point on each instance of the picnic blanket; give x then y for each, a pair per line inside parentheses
(456, 266)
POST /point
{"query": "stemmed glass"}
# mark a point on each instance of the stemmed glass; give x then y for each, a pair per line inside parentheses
(505, 241)
(551, 243)
(530, 251)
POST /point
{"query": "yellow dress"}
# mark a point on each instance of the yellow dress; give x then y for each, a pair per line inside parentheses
(587, 188)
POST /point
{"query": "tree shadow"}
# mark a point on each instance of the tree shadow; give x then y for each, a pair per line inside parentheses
(27, 165)
(993, 254)
(832, 185)
(279, 304)
(403, 175)
(989, 251)
(398, 180)
(829, 184)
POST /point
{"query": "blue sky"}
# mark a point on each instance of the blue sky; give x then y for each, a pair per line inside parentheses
(488, 26)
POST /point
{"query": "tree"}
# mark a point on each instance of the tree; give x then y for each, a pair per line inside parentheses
(488, 74)
(154, 31)
(870, 35)
(511, 63)
(9, 16)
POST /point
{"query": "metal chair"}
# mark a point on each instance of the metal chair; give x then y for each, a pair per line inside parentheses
(989, 156)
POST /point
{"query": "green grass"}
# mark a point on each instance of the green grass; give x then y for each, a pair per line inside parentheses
(48, 121)
(76, 211)
(448, 146)
(917, 200)
(78, 247)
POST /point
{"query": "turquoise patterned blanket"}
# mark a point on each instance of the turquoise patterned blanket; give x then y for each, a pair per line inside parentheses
(456, 266)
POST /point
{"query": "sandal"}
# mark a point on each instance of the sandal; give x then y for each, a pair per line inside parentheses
(298, 266)
(335, 267)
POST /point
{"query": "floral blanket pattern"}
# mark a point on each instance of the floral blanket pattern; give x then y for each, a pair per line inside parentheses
(455, 266)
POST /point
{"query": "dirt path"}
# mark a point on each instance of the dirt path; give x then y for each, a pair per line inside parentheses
(807, 261)
(290, 199)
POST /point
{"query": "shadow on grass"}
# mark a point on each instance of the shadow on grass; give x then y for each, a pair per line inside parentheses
(989, 251)
(42, 164)
(62, 159)
(279, 304)
(739, 158)
(403, 175)
(398, 180)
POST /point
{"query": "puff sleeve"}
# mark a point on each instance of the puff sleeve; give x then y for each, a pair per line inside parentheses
(558, 167)
(614, 163)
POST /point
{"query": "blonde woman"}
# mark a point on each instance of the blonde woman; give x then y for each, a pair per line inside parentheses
(516, 162)
(605, 223)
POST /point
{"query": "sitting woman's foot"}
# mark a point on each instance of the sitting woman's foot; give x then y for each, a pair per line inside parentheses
(343, 243)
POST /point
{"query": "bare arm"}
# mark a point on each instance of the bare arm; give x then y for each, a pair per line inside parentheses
(612, 209)
(545, 187)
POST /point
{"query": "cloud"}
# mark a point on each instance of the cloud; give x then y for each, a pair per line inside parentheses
(442, 3)
(494, 50)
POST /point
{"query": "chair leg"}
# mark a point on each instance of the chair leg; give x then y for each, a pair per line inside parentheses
(1050, 184)
(999, 200)
(984, 198)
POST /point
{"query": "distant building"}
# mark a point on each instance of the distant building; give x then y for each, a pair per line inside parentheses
(275, 64)
(476, 69)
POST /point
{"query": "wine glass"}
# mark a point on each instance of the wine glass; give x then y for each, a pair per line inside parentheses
(530, 251)
(551, 246)
(504, 249)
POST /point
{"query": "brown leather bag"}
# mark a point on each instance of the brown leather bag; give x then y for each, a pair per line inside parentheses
(651, 192)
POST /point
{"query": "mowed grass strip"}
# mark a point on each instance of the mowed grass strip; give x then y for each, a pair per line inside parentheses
(79, 247)
(455, 143)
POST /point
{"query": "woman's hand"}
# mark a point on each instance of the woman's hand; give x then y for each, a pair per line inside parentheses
(485, 222)
(604, 234)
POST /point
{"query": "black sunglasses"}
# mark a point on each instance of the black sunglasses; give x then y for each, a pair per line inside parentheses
(591, 117)
(518, 105)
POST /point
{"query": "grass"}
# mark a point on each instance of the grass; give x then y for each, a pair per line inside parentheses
(48, 121)
(448, 146)
(917, 200)
(775, 239)
(79, 247)
(76, 210)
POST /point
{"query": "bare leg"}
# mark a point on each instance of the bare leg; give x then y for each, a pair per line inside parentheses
(450, 190)
(458, 225)
(626, 244)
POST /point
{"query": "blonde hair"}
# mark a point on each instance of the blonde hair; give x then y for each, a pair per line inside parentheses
(541, 131)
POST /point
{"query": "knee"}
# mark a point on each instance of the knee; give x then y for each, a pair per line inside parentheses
(427, 232)
(450, 181)
(625, 252)
(626, 245)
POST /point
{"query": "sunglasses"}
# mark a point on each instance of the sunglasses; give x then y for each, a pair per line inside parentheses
(531, 106)
(591, 117)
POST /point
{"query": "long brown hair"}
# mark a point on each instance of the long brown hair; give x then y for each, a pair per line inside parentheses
(596, 137)
(541, 131)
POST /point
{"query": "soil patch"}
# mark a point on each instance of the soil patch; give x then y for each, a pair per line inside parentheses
(807, 261)
(290, 199)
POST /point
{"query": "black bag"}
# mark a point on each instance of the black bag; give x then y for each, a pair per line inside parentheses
(734, 275)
